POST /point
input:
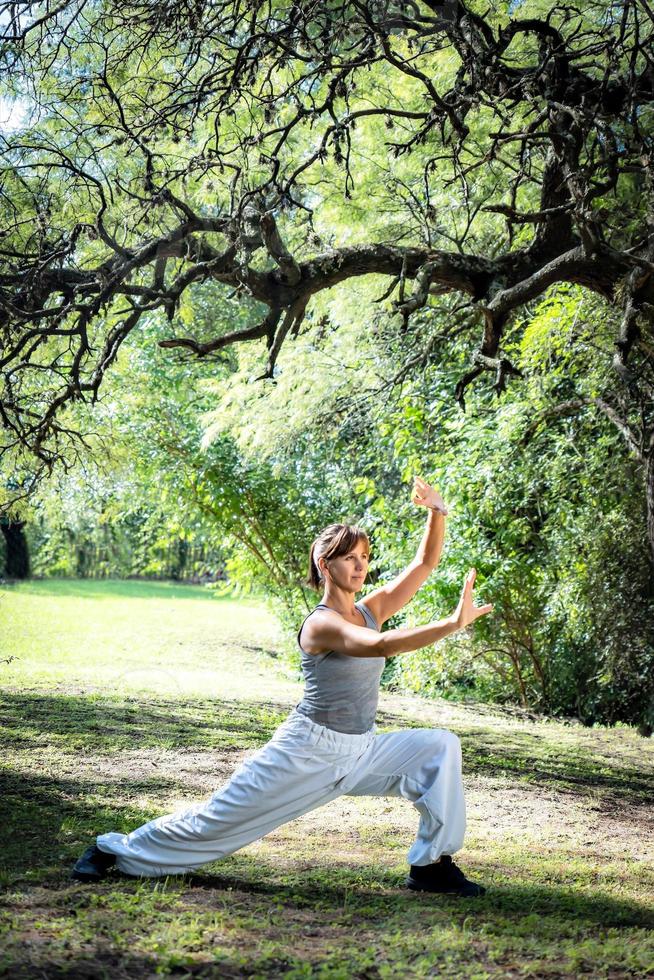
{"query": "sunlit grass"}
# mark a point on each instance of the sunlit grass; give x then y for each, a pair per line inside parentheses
(113, 637)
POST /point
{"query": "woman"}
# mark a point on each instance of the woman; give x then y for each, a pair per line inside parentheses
(328, 745)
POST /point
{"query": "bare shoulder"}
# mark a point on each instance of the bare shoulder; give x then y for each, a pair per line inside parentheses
(327, 630)
(316, 629)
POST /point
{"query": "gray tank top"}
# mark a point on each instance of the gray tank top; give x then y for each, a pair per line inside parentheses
(341, 692)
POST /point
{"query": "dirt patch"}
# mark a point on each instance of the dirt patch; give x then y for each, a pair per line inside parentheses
(499, 808)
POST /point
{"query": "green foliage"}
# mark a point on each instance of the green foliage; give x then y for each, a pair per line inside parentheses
(108, 525)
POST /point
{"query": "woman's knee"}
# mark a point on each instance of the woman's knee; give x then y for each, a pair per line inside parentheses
(447, 742)
(440, 753)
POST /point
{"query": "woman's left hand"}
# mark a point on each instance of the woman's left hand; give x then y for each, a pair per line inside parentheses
(425, 496)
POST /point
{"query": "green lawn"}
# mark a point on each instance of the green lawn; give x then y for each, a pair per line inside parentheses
(127, 700)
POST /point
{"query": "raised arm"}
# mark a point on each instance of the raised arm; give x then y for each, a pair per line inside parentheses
(388, 599)
(329, 631)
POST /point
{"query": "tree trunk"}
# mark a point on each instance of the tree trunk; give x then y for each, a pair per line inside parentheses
(17, 561)
(649, 493)
(179, 561)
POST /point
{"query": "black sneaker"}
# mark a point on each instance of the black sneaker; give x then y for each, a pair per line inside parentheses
(93, 865)
(444, 877)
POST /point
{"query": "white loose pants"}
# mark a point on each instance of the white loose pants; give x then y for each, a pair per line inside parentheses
(303, 766)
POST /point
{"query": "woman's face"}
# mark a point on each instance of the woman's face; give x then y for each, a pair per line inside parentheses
(349, 571)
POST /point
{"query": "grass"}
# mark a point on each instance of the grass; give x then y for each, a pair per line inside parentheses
(127, 700)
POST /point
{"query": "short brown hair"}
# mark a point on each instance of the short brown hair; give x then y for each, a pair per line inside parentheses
(332, 542)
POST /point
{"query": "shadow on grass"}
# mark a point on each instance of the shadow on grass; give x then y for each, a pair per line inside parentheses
(44, 818)
(96, 724)
(109, 724)
(545, 762)
(108, 965)
(335, 905)
(374, 890)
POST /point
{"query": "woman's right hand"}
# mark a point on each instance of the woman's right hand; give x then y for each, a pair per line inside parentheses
(466, 612)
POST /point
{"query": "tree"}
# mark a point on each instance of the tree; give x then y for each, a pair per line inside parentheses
(169, 144)
(17, 556)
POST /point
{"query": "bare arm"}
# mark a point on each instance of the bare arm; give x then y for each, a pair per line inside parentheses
(331, 632)
(388, 599)
(429, 549)
(385, 601)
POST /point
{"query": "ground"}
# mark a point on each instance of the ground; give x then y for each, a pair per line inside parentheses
(128, 700)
